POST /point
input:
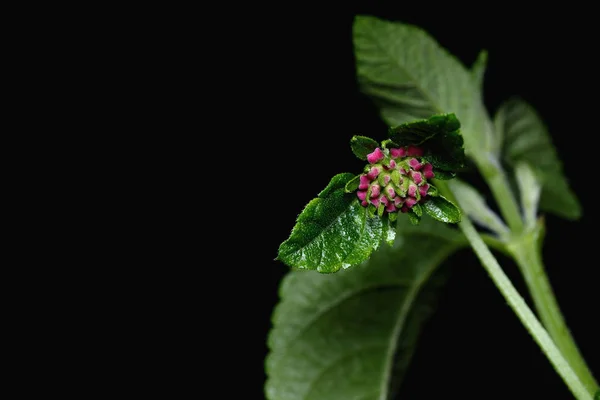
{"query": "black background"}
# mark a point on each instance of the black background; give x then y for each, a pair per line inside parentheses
(303, 106)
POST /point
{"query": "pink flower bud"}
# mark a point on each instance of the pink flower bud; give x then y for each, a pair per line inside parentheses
(423, 189)
(375, 156)
(390, 207)
(386, 179)
(364, 203)
(375, 190)
(373, 173)
(396, 153)
(364, 183)
(375, 202)
(391, 193)
(410, 202)
(414, 151)
(391, 164)
(362, 194)
(412, 190)
(428, 171)
(404, 209)
(417, 177)
(398, 201)
(403, 171)
(415, 164)
(383, 199)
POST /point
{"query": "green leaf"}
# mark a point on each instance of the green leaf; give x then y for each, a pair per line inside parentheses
(413, 217)
(333, 231)
(597, 395)
(530, 189)
(439, 137)
(417, 209)
(352, 184)
(478, 69)
(409, 76)
(442, 209)
(352, 335)
(475, 206)
(525, 138)
(362, 146)
(433, 191)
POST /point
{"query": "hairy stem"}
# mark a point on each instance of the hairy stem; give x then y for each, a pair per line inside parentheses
(525, 251)
(528, 319)
(516, 302)
(527, 256)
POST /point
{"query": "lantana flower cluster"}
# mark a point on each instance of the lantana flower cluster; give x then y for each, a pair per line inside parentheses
(395, 179)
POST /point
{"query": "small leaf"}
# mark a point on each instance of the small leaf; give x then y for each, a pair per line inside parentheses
(339, 181)
(362, 146)
(387, 143)
(371, 211)
(439, 137)
(474, 205)
(352, 335)
(478, 69)
(417, 209)
(413, 217)
(433, 191)
(352, 184)
(525, 138)
(442, 209)
(333, 231)
(529, 189)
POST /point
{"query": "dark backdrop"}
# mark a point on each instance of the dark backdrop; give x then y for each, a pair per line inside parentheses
(305, 100)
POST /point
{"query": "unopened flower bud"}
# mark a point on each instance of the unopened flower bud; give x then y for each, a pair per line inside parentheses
(428, 171)
(417, 177)
(390, 192)
(372, 174)
(415, 164)
(375, 190)
(396, 153)
(412, 190)
(376, 156)
(410, 202)
(364, 183)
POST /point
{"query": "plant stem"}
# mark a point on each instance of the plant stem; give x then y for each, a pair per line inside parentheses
(528, 319)
(496, 179)
(516, 302)
(524, 249)
(526, 253)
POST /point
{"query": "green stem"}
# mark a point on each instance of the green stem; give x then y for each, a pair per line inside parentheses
(496, 179)
(516, 302)
(528, 319)
(527, 256)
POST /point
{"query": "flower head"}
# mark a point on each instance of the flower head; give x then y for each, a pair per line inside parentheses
(395, 178)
